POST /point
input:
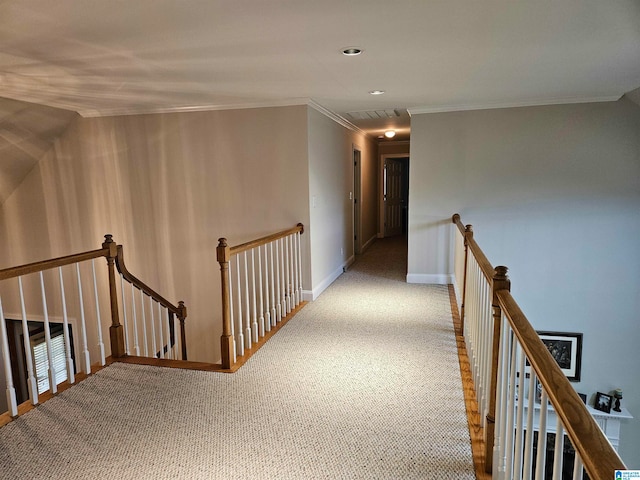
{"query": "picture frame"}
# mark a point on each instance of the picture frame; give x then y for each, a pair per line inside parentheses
(603, 402)
(566, 349)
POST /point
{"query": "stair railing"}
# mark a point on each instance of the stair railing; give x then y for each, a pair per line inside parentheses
(261, 284)
(511, 368)
(72, 291)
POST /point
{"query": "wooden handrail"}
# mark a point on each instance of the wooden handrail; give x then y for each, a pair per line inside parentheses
(598, 456)
(481, 258)
(179, 310)
(113, 253)
(264, 240)
(43, 265)
(223, 254)
(140, 285)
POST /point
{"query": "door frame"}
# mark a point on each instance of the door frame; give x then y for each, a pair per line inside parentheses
(357, 201)
(381, 204)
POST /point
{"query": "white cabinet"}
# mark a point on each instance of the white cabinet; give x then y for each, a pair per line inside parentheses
(609, 423)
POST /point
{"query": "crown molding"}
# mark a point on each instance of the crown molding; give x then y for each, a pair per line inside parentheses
(190, 108)
(335, 117)
(527, 103)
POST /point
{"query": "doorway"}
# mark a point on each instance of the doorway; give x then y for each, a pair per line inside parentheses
(357, 187)
(395, 195)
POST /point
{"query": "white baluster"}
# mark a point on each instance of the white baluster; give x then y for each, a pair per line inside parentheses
(167, 323)
(558, 453)
(254, 325)
(247, 324)
(231, 315)
(178, 343)
(511, 399)
(267, 307)
(274, 318)
(283, 281)
(71, 374)
(261, 296)
(278, 302)
(542, 437)
(240, 342)
(124, 316)
(12, 404)
(160, 327)
(578, 468)
(95, 294)
(299, 254)
(136, 347)
(292, 265)
(517, 461)
(86, 357)
(528, 444)
(32, 383)
(145, 341)
(287, 279)
(501, 400)
(53, 385)
(154, 346)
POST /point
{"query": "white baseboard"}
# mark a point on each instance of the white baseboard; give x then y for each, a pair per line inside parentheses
(307, 295)
(368, 243)
(315, 293)
(438, 279)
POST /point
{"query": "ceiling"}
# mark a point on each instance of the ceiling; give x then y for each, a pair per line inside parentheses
(112, 57)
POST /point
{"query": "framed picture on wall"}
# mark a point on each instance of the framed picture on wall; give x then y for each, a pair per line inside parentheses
(566, 349)
(603, 402)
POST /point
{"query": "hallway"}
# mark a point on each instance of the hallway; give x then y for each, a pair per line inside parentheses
(362, 383)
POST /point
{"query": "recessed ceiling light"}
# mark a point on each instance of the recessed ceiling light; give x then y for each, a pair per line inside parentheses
(351, 51)
(376, 92)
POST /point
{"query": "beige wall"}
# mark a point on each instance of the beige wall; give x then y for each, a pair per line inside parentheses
(553, 193)
(167, 186)
(331, 208)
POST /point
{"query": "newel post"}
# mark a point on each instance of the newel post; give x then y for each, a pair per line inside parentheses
(468, 235)
(116, 332)
(223, 252)
(500, 282)
(182, 314)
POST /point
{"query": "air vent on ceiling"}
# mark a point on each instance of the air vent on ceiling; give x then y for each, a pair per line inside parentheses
(375, 114)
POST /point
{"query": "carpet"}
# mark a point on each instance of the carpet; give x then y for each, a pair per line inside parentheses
(363, 383)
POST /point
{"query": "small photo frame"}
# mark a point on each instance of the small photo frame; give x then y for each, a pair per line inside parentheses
(603, 402)
(566, 349)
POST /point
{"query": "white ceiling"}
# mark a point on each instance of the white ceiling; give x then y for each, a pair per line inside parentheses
(108, 57)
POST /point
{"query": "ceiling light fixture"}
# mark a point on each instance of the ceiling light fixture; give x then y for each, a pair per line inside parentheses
(376, 92)
(351, 51)
(390, 133)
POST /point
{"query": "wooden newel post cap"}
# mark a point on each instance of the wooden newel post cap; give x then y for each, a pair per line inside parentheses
(501, 273)
(110, 244)
(501, 279)
(301, 225)
(183, 309)
(222, 242)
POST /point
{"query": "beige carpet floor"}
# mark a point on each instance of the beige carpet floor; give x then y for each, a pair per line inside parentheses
(363, 383)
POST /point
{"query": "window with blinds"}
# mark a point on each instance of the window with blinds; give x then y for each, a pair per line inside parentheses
(41, 360)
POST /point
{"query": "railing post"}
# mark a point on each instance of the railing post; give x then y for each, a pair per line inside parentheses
(468, 234)
(183, 336)
(500, 282)
(116, 332)
(223, 252)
